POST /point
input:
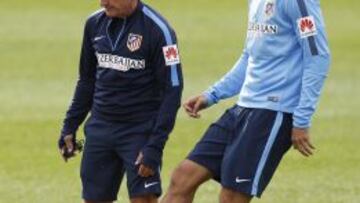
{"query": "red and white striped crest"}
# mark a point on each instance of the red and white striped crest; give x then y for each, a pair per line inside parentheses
(134, 42)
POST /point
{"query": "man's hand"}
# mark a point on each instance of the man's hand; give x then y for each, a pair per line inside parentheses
(68, 150)
(301, 141)
(194, 105)
(144, 171)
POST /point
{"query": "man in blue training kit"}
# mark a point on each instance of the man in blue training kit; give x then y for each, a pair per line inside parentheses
(279, 79)
(131, 81)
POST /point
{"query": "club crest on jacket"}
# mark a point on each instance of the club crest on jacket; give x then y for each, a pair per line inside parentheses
(134, 42)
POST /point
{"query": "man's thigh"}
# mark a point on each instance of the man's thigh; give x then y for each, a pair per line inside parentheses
(255, 151)
(141, 186)
(128, 148)
(101, 169)
(209, 151)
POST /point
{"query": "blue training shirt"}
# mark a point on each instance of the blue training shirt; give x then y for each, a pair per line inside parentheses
(129, 71)
(284, 63)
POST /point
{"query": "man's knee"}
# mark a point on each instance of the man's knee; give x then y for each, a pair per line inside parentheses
(178, 181)
(230, 196)
(145, 199)
(187, 177)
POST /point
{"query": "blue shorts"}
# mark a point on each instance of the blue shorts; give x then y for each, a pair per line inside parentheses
(111, 149)
(244, 147)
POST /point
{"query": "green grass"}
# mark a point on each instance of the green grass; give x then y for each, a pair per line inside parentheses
(39, 50)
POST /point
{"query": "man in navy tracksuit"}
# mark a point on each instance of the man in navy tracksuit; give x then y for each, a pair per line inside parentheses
(131, 81)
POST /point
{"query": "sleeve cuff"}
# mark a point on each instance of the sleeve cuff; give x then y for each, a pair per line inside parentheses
(301, 123)
(152, 158)
(61, 142)
(210, 98)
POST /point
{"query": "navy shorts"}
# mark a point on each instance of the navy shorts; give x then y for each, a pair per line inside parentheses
(111, 149)
(244, 147)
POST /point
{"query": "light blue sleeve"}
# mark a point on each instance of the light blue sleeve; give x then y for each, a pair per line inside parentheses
(230, 84)
(309, 26)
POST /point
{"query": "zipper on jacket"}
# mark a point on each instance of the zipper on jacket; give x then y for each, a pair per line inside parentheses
(113, 46)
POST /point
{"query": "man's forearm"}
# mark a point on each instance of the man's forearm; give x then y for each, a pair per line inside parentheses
(164, 124)
(312, 83)
(230, 84)
(79, 108)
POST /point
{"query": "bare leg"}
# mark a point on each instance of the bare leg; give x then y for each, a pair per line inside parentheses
(231, 196)
(145, 199)
(185, 180)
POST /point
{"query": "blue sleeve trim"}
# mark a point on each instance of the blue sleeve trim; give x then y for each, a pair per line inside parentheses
(174, 76)
(169, 41)
(313, 47)
(312, 44)
(303, 9)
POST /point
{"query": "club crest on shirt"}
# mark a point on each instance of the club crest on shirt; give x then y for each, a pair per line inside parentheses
(307, 26)
(269, 9)
(134, 42)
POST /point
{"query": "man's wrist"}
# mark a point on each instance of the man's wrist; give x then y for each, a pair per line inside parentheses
(61, 141)
(302, 130)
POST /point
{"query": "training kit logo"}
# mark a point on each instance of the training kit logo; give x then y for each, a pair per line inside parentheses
(307, 26)
(239, 180)
(99, 38)
(147, 185)
(171, 55)
(260, 29)
(119, 63)
(134, 42)
(269, 9)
